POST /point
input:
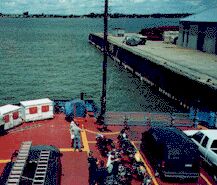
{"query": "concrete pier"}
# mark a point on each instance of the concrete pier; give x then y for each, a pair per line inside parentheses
(184, 75)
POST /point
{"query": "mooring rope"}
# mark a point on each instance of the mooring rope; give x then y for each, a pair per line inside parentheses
(25, 128)
(103, 133)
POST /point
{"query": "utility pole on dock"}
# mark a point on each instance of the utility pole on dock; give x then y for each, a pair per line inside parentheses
(104, 67)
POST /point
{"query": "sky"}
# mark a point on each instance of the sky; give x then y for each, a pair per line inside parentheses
(80, 7)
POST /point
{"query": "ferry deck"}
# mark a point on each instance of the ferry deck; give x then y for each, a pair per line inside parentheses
(74, 164)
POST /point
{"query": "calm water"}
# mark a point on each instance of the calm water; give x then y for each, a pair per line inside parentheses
(52, 58)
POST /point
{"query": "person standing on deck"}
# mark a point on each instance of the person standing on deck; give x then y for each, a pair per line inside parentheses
(92, 168)
(196, 121)
(77, 136)
(196, 118)
(122, 134)
(102, 174)
(172, 123)
(72, 124)
(126, 127)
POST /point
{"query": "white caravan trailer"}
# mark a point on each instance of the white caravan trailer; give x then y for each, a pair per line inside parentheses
(40, 109)
(10, 116)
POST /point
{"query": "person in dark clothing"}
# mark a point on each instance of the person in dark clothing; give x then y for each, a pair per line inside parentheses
(92, 168)
(123, 134)
(115, 169)
(172, 119)
(102, 174)
(126, 127)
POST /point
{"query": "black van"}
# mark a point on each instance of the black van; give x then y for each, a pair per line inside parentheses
(171, 153)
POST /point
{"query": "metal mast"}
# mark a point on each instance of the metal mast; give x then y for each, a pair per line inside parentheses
(104, 67)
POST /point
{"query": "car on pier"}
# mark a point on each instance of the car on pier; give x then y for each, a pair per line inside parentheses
(135, 40)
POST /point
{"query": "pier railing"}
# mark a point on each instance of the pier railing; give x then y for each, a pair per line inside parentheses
(147, 118)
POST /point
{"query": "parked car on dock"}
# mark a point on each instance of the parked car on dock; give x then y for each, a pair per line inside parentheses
(170, 37)
(171, 153)
(206, 140)
(135, 40)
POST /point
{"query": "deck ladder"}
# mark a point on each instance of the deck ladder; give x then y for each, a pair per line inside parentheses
(41, 170)
(19, 164)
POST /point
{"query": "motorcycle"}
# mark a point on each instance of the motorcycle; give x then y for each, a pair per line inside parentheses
(147, 180)
(127, 146)
(103, 144)
(139, 170)
(124, 176)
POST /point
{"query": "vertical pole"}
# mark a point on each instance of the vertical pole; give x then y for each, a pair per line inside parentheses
(104, 67)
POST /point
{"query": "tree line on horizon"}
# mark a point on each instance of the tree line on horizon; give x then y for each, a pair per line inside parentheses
(98, 15)
(155, 15)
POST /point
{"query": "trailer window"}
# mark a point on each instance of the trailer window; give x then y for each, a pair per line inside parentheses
(33, 110)
(6, 118)
(15, 115)
(198, 136)
(45, 108)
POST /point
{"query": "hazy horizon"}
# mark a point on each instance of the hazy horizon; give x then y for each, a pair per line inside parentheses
(82, 7)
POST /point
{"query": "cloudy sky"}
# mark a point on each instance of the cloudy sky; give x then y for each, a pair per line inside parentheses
(121, 6)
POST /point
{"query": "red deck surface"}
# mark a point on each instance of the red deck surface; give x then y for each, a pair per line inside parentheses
(49, 132)
(74, 164)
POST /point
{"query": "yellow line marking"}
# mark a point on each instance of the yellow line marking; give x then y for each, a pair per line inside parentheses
(92, 142)
(146, 166)
(205, 179)
(137, 142)
(85, 141)
(4, 161)
(70, 150)
(66, 150)
(103, 133)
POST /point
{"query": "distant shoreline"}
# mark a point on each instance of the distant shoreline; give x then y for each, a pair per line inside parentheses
(94, 15)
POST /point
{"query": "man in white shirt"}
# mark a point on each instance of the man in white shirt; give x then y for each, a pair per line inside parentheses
(75, 135)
